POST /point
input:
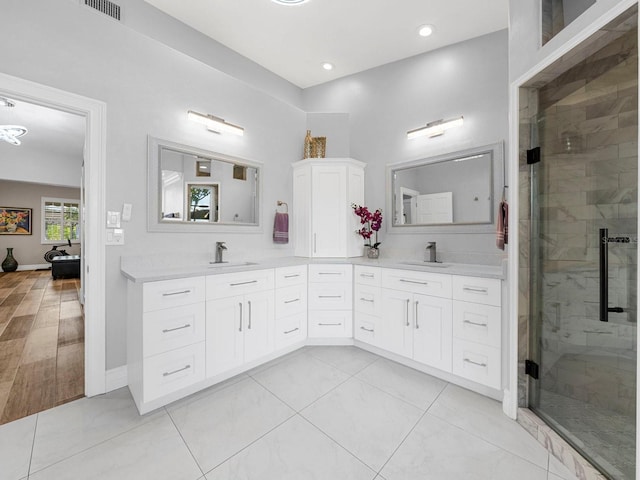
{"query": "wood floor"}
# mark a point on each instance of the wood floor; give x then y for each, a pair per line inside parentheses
(41, 343)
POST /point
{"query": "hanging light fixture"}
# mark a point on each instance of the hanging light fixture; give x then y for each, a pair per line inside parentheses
(10, 133)
(215, 124)
(436, 128)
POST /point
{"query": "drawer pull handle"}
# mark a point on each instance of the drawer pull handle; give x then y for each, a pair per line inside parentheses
(329, 296)
(367, 275)
(466, 360)
(171, 294)
(242, 283)
(168, 374)
(367, 300)
(367, 329)
(475, 290)
(240, 305)
(292, 276)
(413, 281)
(292, 301)
(407, 312)
(329, 324)
(291, 331)
(416, 313)
(477, 324)
(249, 303)
(167, 330)
(329, 273)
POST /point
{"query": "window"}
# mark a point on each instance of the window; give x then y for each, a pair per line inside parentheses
(60, 220)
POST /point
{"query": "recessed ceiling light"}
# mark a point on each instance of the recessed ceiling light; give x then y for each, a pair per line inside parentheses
(290, 2)
(327, 66)
(425, 30)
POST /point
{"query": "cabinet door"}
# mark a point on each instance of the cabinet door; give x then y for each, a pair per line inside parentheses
(396, 324)
(433, 331)
(329, 206)
(258, 325)
(224, 332)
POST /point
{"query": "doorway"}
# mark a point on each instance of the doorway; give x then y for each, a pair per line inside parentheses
(582, 189)
(93, 269)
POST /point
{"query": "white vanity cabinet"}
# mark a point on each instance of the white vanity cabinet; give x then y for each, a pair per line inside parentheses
(166, 337)
(240, 323)
(417, 316)
(367, 304)
(477, 332)
(323, 221)
(291, 306)
(330, 301)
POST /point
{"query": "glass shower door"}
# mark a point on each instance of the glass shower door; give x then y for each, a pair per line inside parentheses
(584, 256)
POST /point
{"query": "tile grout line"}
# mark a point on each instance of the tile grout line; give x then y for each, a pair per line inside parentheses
(426, 411)
(33, 444)
(184, 441)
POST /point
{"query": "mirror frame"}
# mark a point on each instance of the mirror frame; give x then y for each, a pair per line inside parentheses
(154, 224)
(498, 178)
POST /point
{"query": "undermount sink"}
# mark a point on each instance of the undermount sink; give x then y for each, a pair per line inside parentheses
(427, 264)
(230, 264)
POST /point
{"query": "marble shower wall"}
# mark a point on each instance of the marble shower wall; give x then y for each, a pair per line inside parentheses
(586, 121)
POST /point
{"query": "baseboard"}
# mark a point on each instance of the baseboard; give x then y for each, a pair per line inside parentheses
(34, 267)
(116, 378)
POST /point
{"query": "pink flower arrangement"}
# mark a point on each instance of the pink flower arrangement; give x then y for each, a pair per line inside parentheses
(371, 223)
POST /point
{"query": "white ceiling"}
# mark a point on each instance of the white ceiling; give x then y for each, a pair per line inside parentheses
(355, 35)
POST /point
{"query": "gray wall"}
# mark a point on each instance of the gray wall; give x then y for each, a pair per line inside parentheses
(469, 78)
(28, 249)
(148, 88)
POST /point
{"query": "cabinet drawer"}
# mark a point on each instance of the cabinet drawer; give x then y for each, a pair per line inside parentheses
(291, 329)
(367, 275)
(435, 284)
(241, 283)
(477, 323)
(367, 299)
(330, 296)
(329, 273)
(477, 290)
(172, 293)
(171, 371)
(330, 324)
(287, 276)
(291, 300)
(173, 328)
(365, 328)
(478, 363)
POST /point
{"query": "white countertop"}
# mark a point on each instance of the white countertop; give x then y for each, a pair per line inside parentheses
(141, 271)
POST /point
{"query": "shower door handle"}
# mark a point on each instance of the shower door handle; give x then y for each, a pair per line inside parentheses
(604, 277)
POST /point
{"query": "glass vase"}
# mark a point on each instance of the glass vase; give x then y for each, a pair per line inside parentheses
(372, 253)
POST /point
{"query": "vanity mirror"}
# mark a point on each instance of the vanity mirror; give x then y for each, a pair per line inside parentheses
(191, 189)
(455, 192)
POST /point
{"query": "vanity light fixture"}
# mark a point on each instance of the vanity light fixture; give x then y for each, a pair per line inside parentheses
(10, 133)
(215, 124)
(436, 128)
(327, 66)
(425, 30)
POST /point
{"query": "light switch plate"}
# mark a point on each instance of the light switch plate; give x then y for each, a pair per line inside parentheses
(126, 212)
(113, 219)
(115, 236)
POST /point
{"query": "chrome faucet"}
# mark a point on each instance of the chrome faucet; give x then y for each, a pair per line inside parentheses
(220, 246)
(431, 247)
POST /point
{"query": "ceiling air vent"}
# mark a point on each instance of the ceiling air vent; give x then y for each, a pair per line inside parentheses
(105, 6)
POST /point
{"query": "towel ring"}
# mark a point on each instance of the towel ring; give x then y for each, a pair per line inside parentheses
(286, 207)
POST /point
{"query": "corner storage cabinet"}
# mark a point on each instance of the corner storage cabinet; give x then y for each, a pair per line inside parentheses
(323, 222)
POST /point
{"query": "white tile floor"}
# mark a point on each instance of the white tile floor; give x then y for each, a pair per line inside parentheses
(319, 413)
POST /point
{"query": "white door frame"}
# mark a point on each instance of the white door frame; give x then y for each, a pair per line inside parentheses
(93, 276)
